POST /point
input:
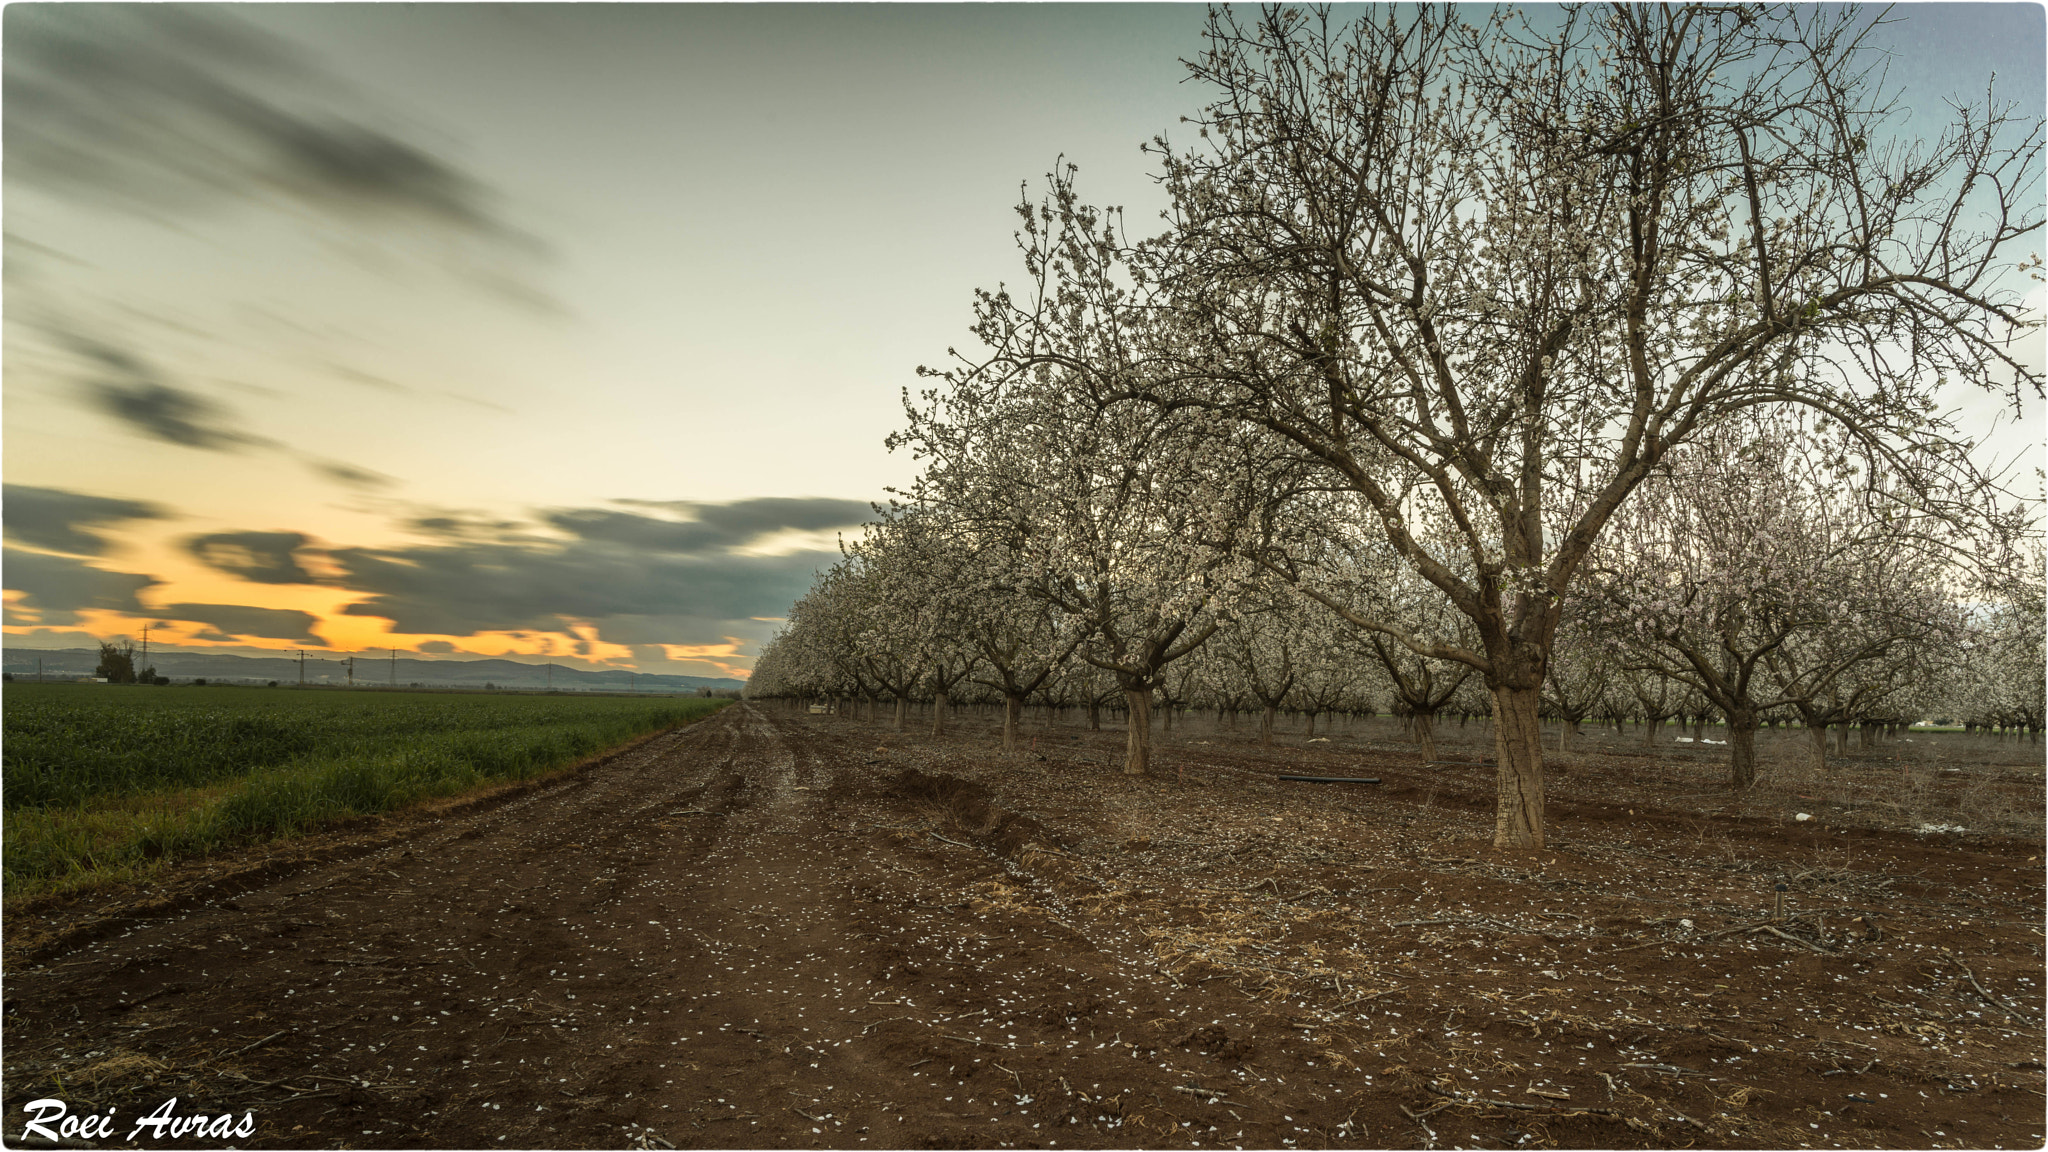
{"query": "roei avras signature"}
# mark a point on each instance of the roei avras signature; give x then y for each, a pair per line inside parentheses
(48, 1119)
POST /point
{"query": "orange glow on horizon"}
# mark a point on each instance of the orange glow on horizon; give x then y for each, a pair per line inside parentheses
(711, 654)
(576, 642)
(582, 645)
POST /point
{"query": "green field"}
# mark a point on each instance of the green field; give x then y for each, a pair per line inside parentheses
(105, 783)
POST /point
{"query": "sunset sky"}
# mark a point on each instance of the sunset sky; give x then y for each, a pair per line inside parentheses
(564, 330)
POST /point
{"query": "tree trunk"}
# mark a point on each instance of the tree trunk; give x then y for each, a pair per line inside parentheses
(1138, 757)
(1425, 735)
(1741, 748)
(1518, 755)
(1094, 716)
(1819, 732)
(1166, 719)
(1266, 725)
(1311, 726)
(940, 701)
(902, 713)
(1650, 732)
(1013, 709)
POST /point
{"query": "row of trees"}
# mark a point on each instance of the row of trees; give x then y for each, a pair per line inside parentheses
(1761, 636)
(1533, 356)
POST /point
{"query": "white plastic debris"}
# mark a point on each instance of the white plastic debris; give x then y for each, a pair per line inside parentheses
(1802, 816)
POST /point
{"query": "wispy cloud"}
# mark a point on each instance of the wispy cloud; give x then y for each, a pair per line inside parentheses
(122, 385)
(175, 107)
(349, 474)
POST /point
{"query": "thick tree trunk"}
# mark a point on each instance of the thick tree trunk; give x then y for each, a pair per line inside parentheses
(902, 713)
(1266, 724)
(1094, 716)
(1742, 748)
(1425, 735)
(1650, 732)
(1138, 755)
(1819, 733)
(1311, 727)
(1166, 719)
(1013, 710)
(940, 702)
(1518, 754)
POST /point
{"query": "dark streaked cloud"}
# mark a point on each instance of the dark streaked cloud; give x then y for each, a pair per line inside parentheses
(462, 524)
(242, 620)
(64, 521)
(349, 474)
(463, 588)
(179, 107)
(58, 588)
(642, 579)
(258, 557)
(166, 413)
(124, 386)
(711, 527)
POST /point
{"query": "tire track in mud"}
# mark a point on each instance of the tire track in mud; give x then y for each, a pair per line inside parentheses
(760, 931)
(725, 937)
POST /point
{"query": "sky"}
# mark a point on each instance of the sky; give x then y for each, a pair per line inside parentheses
(564, 331)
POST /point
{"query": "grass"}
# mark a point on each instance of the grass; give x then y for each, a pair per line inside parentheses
(105, 783)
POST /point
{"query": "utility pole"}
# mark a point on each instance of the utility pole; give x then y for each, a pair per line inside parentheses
(351, 671)
(145, 647)
(302, 667)
(394, 667)
(551, 675)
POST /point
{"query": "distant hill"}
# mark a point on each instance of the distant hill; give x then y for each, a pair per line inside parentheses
(369, 671)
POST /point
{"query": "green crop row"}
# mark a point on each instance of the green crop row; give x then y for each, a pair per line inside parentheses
(105, 783)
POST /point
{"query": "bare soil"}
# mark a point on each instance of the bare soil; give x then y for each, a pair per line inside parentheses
(775, 929)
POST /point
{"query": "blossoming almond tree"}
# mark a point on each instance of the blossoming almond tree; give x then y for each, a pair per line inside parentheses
(2003, 677)
(815, 652)
(1759, 549)
(1256, 656)
(1119, 518)
(916, 610)
(1125, 518)
(1023, 640)
(1490, 277)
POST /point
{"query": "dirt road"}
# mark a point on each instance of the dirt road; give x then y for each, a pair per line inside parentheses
(771, 930)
